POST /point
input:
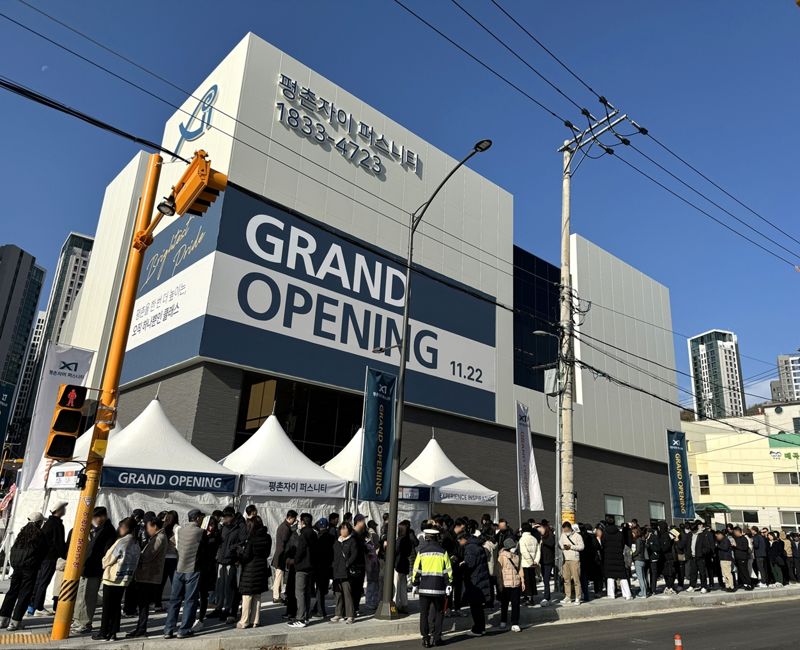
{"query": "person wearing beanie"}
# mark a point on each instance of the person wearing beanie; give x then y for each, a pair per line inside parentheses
(26, 555)
(511, 583)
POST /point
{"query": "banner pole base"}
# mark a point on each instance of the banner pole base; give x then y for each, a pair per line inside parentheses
(388, 612)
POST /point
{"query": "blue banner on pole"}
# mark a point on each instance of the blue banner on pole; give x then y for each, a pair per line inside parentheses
(682, 505)
(376, 455)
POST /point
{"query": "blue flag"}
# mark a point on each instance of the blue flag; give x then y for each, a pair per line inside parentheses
(376, 455)
(682, 505)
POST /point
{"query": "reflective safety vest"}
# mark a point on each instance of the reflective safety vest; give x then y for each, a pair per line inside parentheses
(432, 570)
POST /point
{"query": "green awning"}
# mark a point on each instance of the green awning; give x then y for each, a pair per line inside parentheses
(714, 506)
(784, 439)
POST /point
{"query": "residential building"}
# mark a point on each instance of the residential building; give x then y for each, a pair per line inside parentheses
(29, 370)
(776, 391)
(716, 373)
(20, 286)
(750, 465)
(789, 376)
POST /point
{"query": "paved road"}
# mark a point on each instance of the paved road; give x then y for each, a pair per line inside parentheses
(768, 625)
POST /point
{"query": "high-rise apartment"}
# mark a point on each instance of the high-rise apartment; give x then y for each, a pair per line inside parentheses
(716, 372)
(789, 376)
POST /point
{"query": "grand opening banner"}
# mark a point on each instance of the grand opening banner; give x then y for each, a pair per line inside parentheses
(378, 450)
(682, 504)
(258, 286)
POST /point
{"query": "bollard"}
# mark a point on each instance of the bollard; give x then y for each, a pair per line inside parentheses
(678, 641)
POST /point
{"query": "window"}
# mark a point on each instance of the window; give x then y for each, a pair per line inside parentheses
(705, 485)
(791, 519)
(615, 507)
(796, 424)
(738, 478)
(787, 478)
(657, 511)
(743, 517)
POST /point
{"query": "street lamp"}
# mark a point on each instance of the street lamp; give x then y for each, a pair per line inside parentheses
(384, 610)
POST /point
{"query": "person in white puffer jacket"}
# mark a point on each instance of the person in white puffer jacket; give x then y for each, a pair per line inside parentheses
(530, 553)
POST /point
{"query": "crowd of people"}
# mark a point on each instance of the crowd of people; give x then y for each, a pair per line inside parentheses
(227, 559)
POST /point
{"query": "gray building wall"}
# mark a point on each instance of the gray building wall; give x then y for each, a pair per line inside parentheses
(201, 401)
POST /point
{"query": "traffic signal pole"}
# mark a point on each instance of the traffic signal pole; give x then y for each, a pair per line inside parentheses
(106, 410)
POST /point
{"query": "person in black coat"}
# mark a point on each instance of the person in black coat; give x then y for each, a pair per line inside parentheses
(741, 554)
(402, 567)
(27, 553)
(345, 558)
(304, 560)
(476, 579)
(282, 536)
(777, 558)
(586, 556)
(101, 537)
(614, 560)
(323, 567)
(232, 534)
(207, 564)
(254, 562)
(55, 538)
(547, 558)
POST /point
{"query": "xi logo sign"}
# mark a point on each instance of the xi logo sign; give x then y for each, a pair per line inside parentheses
(199, 120)
(69, 366)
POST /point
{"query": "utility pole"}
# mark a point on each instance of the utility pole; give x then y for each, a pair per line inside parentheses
(566, 356)
(196, 190)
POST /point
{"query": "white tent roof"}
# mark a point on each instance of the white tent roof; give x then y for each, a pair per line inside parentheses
(433, 467)
(346, 463)
(272, 465)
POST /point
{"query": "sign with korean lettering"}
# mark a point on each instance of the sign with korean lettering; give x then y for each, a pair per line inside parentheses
(378, 446)
(293, 487)
(682, 505)
(271, 290)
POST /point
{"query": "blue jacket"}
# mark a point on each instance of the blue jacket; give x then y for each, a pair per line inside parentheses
(760, 546)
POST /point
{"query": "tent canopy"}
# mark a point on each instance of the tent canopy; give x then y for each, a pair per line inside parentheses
(433, 467)
(272, 466)
(346, 463)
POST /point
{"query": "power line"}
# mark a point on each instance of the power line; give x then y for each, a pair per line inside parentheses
(640, 129)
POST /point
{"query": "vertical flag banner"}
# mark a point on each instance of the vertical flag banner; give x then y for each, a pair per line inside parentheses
(6, 398)
(376, 455)
(682, 505)
(62, 364)
(530, 492)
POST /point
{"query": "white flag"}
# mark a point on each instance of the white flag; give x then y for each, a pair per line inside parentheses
(530, 492)
(62, 365)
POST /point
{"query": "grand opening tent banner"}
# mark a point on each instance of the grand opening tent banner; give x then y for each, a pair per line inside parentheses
(682, 505)
(377, 452)
(530, 492)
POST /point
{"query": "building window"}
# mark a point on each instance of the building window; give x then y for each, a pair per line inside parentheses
(615, 507)
(705, 486)
(738, 478)
(787, 478)
(796, 424)
(790, 520)
(743, 516)
(657, 511)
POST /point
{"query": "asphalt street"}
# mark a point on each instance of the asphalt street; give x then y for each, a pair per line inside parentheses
(769, 625)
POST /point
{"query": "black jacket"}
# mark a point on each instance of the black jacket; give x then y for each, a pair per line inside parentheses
(760, 546)
(28, 555)
(403, 550)
(99, 542)
(232, 536)
(724, 550)
(588, 554)
(613, 558)
(476, 570)
(742, 548)
(345, 555)
(207, 559)
(254, 558)
(306, 550)
(282, 536)
(323, 558)
(777, 553)
(53, 532)
(548, 554)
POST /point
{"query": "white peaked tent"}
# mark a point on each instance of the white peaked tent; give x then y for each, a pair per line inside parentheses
(148, 465)
(451, 485)
(277, 476)
(414, 503)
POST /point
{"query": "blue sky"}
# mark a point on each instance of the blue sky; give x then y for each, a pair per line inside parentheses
(716, 81)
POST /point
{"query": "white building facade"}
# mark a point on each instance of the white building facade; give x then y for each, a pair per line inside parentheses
(789, 377)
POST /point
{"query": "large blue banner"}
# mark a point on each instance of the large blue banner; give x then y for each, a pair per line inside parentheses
(682, 505)
(376, 455)
(161, 479)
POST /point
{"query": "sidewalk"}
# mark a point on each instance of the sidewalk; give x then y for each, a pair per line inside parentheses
(274, 634)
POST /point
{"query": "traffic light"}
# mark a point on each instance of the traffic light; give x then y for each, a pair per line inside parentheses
(66, 426)
(199, 186)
